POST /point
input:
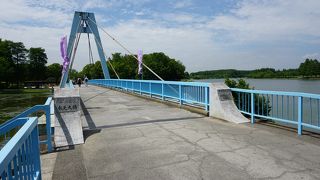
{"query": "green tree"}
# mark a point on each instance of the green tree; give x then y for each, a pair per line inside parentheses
(37, 63)
(54, 72)
(127, 67)
(6, 72)
(164, 66)
(242, 84)
(309, 68)
(7, 67)
(19, 58)
(73, 74)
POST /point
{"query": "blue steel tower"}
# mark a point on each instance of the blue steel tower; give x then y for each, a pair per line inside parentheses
(84, 22)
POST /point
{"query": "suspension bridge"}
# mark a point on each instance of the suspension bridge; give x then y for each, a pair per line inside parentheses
(156, 129)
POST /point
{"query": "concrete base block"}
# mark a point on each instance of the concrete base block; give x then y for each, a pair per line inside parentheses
(222, 105)
(68, 125)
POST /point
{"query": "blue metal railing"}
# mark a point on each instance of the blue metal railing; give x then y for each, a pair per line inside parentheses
(187, 93)
(45, 108)
(20, 157)
(298, 109)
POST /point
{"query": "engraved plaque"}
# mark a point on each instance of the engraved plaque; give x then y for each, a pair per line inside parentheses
(224, 94)
(67, 104)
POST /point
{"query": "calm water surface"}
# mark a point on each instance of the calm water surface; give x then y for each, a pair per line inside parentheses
(13, 102)
(295, 85)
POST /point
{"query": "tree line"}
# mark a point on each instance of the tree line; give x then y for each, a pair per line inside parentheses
(126, 67)
(19, 65)
(310, 68)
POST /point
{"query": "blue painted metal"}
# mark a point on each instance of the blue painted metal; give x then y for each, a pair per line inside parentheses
(45, 108)
(85, 22)
(20, 157)
(300, 113)
(252, 108)
(187, 93)
(294, 113)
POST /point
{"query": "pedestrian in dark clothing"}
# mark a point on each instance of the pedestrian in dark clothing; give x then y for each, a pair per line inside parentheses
(79, 81)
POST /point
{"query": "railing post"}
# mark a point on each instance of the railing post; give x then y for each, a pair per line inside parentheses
(300, 112)
(252, 108)
(48, 127)
(206, 98)
(180, 94)
(140, 88)
(37, 150)
(162, 91)
(150, 89)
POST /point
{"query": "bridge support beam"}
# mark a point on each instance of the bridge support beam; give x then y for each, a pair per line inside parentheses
(222, 105)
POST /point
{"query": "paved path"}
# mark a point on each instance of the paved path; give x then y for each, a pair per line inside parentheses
(132, 138)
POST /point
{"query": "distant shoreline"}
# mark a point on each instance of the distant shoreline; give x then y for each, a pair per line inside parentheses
(275, 78)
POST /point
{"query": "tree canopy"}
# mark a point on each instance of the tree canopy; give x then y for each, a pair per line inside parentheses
(19, 64)
(309, 68)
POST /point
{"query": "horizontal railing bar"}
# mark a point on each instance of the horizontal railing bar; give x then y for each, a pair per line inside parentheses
(189, 93)
(276, 119)
(310, 126)
(159, 82)
(12, 146)
(309, 95)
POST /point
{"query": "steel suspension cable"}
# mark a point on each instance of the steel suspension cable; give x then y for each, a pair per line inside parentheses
(75, 49)
(100, 45)
(126, 49)
(90, 51)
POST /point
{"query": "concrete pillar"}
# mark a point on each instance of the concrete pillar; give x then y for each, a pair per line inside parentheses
(222, 105)
(68, 126)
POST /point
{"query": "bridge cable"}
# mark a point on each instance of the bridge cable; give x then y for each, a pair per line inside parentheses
(126, 49)
(104, 53)
(75, 48)
(90, 51)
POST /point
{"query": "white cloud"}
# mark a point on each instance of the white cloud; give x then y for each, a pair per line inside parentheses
(255, 34)
(270, 20)
(182, 4)
(101, 4)
(19, 11)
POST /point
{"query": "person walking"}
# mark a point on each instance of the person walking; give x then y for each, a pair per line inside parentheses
(79, 81)
(86, 81)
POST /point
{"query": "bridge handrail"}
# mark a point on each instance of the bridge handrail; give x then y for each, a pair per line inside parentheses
(46, 108)
(163, 82)
(187, 93)
(295, 108)
(285, 93)
(20, 157)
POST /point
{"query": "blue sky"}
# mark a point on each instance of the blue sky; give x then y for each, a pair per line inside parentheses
(204, 35)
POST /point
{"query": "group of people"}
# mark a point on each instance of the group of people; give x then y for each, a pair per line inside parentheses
(79, 81)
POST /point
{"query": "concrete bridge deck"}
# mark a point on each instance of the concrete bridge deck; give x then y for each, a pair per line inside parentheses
(127, 137)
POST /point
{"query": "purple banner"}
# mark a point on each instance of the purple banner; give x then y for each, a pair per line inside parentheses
(63, 50)
(140, 55)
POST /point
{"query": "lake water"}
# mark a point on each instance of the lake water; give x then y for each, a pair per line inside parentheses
(285, 107)
(13, 102)
(295, 85)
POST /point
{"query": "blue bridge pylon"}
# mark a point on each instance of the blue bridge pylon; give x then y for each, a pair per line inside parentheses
(83, 22)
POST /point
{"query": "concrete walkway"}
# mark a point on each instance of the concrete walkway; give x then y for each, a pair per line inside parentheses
(127, 137)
